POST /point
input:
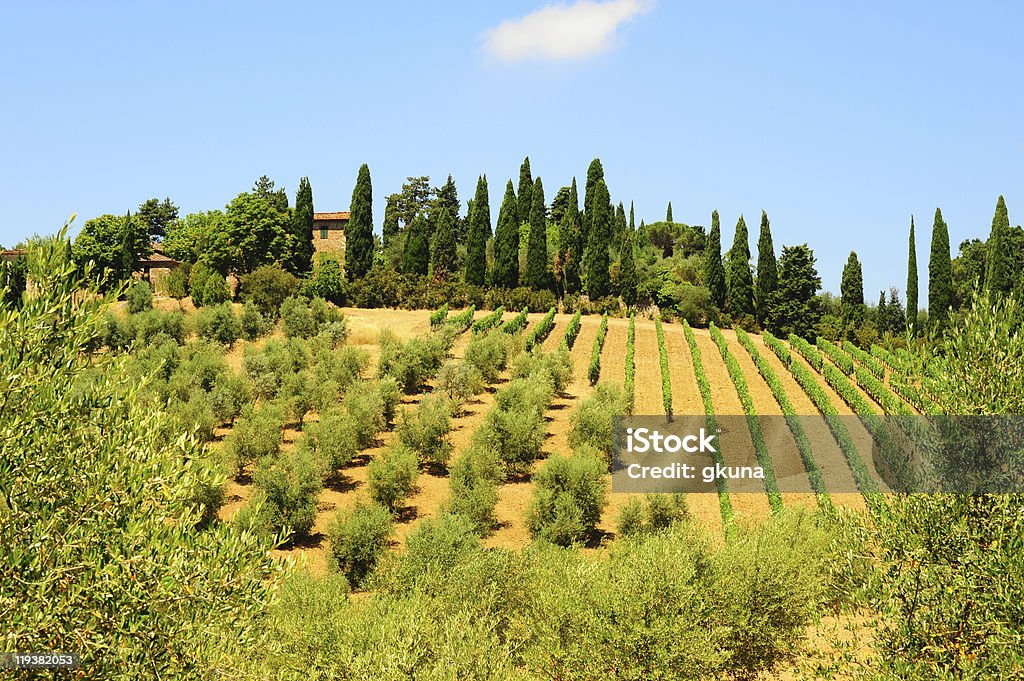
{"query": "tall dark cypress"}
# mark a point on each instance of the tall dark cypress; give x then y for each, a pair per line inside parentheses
(525, 202)
(537, 246)
(851, 288)
(620, 225)
(597, 242)
(668, 213)
(416, 256)
(595, 173)
(714, 270)
(443, 258)
(476, 239)
(912, 279)
(446, 197)
(302, 229)
(632, 224)
(359, 230)
(571, 243)
(998, 265)
(940, 274)
(506, 242)
(882, 317)
(627, 270)
(740, 296)
(389, 228)
(767, 269)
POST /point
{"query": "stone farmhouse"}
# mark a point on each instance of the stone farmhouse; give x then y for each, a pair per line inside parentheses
(329, 233)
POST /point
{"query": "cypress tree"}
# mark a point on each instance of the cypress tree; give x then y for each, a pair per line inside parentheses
(359, 230)
(506, 242)
(883, 319)
(940, 274)
(668, 213)
(767, 269)
(627, 271)
(714, 270)
(620, 224)
(851, 288)
(571, 243)
(740, 296)
(597, 243)
(632, 224)
(595, 173)
(446, 197)
(912, 279)
(391, 213)
(443, 257)
(525, 202)
(476, 238)
(537, 246)
(302, 229)
(998, 267)
(416, 256)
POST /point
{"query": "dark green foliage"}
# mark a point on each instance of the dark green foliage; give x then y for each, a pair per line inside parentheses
(306, 317)
(714, 270)
(442, 257)
(218, 324)
(473, 479)
(506, 242)
(569, 495)
(302, 249)
(796, 308)
(416, 256)
(668, 212)
(594, 370)
(267, 287)
(740, 297)
(197, 278)
(327, 282)
(156, 216)
(438, 317)
(572, 329)
(940, 275)
(391, 476)
(334, 438)
(525, 205)
(215, 291)
(569, 261)
(650, 515)
(287, 490)
(852, 289)
(999, 277)
(912, 280)
(255, 230)
(257, 434)
(140, 297)
(489, 354)
(446, 197)
(767, 270)
(112, 244)
(252, 324)
(537, 245)
(389, 228)
(516, 324)
(595, 173)
(598, 236)
(476, 237)
(627, 271)
(489, 321)
(358, 539)
(359, 230)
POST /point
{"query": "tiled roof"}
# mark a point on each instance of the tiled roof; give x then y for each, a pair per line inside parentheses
(13, 254)
(340, 215)
(157, 260)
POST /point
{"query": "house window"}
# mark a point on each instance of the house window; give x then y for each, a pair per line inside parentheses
(323, 233)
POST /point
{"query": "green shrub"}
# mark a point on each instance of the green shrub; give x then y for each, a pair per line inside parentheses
(229, 395)
(459, 381)
(288, 486)
(175, 284)
(297, 395)
(435, 548)
(594, 370)
(592, 420)
(306, 317)
(533, 392)
(256, 435)
(197, 278)
(573, 329)
(327, 282)
(199, 369)
(334, 438)
(215, 291)
(838, 356)
(438, 317)
(473, 480)
(569, 496)
(458, 324)
(412, 363)
(194, 415)
(489, 354)
(140, 297)
(252, 323)
(262, 375)
(392, 475)
(218, 324)
(390, 395)
(541, 331)
(364, 401)
(556, 366)
(516, 436)
(871, 363)
(653, 513)
(488, 322)
(268, 287)
(425, 429)
(516, 324)
(358, 539)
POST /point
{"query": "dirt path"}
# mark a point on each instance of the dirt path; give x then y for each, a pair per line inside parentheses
(686, 399)
(648, 370)
(613, 357)
(834, 470)
(790, 473)
(749, 506)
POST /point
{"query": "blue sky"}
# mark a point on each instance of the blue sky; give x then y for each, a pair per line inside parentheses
(838, 119)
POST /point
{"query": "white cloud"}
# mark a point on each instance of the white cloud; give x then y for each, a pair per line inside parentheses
(572, 31)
